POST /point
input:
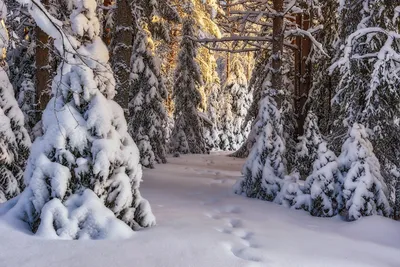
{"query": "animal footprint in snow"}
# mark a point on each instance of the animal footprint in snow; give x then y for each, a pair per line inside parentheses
(243, 234)
(241, 252)
(245, 254)
(235, 223)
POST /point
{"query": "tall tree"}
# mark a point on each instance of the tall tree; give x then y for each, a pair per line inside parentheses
(84, 172)
(147, 114)
(122, 50)
(369, 76)
(236, 102)
(187, 135)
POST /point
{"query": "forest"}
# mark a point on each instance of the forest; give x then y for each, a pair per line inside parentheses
(302, 97)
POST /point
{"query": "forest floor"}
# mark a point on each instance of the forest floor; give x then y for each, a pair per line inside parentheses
(201, 223)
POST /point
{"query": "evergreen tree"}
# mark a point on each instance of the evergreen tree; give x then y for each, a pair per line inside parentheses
(369, 78)
(147, 115)
(324, 83)
(21, 62)
(324, 184)
(211, 134)
(264, 169)
(84, 171)
(187, 135)
(364, 191)
(14, 139)
(307, 148)
(236, 103)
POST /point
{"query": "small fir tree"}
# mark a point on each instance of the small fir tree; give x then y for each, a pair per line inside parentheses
(147, 114)
(324, 184)
(307, 148)
(187, 135)
(364, 191)
(264, 169)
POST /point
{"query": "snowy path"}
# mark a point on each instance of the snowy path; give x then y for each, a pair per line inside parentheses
(201, 223)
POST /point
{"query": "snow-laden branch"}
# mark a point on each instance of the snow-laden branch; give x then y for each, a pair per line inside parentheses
(348, 50)
(300, 32)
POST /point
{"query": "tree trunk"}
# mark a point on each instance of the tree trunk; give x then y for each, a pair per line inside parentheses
(303, 72)
(122, 51)
(277, 51)
(42, 67)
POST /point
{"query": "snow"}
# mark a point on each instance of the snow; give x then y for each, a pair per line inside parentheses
(201, 222)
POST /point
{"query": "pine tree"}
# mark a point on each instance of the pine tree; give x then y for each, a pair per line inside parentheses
(364, 191)
(307, 148)
(14, 139)
(324, 184)
(147, 115)
(84, 171)
(236, 103)
(187, 135)
(264, 169)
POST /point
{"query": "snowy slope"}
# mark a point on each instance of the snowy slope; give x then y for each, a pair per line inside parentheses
(201, 223)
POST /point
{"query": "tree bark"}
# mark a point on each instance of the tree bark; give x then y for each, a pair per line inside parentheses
(122, 51)
(303, 72)
(42, 67)
(277, 50)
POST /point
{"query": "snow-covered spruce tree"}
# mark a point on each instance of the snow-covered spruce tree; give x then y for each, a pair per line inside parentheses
(211, 134)
(260, 73)
(236, 102)
(147, 114)
(187, 135)
(14, 139)
(84, 172)
(307, 148)
(369, 72)
(364, 191)
(264, 169)
(324, 184)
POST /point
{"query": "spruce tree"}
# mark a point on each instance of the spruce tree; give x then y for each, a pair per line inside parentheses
(147, 114)
(84, 171)
(14, 139)
(236, 102)
(364, 190)
(324, 184)
(264, 169)
(307, 148)
(369, 78)
(211, 134)
(187, 134)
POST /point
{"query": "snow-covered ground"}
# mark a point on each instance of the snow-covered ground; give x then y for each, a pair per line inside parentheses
(200, 222)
